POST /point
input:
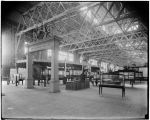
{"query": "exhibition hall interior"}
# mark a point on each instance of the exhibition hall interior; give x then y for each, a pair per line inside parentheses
(74, 60)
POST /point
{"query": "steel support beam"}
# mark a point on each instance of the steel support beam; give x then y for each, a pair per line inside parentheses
(99, 41)
(57, 17)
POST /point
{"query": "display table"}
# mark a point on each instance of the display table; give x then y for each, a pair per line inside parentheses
(139, 76)
(112, 86)
(77, 85)
(112, 80)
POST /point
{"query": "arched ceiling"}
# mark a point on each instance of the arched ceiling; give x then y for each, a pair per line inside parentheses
(105, 31)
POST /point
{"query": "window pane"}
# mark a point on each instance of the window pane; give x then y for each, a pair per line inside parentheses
(62, 55)
(49, 53)
(81, 59)
(70, 57)
(92, 62)
(65, 56)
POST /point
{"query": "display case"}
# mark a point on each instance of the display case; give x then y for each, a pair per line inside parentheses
(112, 80)
(129, 75)
(139, 76)
(42, 71)
(77, 85)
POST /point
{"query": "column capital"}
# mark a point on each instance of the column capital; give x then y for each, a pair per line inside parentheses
(55, 42)
(57, 39)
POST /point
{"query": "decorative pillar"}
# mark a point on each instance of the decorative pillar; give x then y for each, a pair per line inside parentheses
(29, 67)
(54, 82)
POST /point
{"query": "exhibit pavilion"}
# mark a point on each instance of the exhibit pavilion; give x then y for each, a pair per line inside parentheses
(74, 60)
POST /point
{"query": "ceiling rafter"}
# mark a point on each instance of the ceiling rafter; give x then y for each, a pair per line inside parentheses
(56, 17)
(91, 22)
(100, 5)
(130, 15)
(62, 5)
(18, 38)
(120, 12)
(112, 59)
(98, 41)
(32, 8)
(133, 20)
(108, 10)
(88, 37)
(107, 48)
(18, 27)
(108, 51)
(84, 20)
(110, 38)
(49, 11)
(31, 17)
(114, 19)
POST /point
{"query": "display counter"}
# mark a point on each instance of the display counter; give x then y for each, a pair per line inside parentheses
(77, 85)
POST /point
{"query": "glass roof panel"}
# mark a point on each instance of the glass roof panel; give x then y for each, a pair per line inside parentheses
(107, 4)
(115, 9)
(108, 18)
(100, 14)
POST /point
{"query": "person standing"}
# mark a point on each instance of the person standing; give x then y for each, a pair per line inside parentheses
(97, 78)
(90, 78)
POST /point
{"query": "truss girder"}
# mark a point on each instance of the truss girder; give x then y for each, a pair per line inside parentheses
(135, 36)
(46, 12)
(121, 55)
(85, 29)
(64, 25)
(81, 33)
(122, 58)
(37, 10)
(121, 61)
(113, 59)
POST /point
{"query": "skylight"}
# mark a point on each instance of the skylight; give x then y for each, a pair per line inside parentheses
(89, 15)
(95, 21)
(49, 53)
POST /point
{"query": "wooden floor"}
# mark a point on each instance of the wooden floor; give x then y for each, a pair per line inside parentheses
(19, 102)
